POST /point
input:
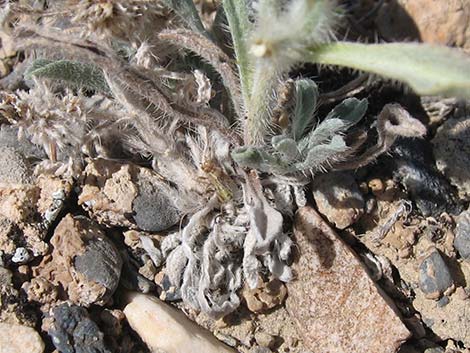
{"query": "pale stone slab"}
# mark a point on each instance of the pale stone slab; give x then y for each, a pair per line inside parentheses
(19, 339)
(163, 328)
(336, 305)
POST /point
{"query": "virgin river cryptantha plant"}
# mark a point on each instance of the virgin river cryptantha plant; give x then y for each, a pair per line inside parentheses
(235, 138)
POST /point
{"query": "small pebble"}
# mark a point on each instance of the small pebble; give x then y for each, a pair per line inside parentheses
(164, 328)
(169, 293)
(14, 168)
(21, 256)
(267, 296)
(435, 350)
(265, 339)
(462, 235)
(19, 339)
(443, 301)
(112, 321)
(376, 186)
(84, 262)
(434, 276)
(461, 293)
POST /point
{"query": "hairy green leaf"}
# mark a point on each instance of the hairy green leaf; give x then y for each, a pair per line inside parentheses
(341, 118)
(72, 73)
(306, 96)
(427, 69)
(186, 10)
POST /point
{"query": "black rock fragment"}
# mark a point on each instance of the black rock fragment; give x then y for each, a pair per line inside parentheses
(415, 169)
(73, 331)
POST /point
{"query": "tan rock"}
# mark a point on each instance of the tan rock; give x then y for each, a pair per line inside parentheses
(164, 328)
(433, 21)
(19, 339)
(335, 304)
(267, 296)
(338, 198)
(18, 204)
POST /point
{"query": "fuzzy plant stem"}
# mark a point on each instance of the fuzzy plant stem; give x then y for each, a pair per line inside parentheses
(258, 121)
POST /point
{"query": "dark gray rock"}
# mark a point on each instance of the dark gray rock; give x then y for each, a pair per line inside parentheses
(73, 331)
(131, 278)
(9, 138)
(14, 168)
(452, 151)
(101, 263)
(414, 169)
(434, 276)
(154, 211)
(462, 235)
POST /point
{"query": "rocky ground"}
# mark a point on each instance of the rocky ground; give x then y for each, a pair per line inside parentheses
(382, 259)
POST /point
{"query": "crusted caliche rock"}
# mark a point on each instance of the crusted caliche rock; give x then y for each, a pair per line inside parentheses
(164, 328)
(127, 195)
(336, 305)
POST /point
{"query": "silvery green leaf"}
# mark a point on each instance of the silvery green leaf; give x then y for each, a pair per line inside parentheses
(319, 156)
(72, 73)
(322, 134)
(350, 110)
(255, 158)
(287, 147)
